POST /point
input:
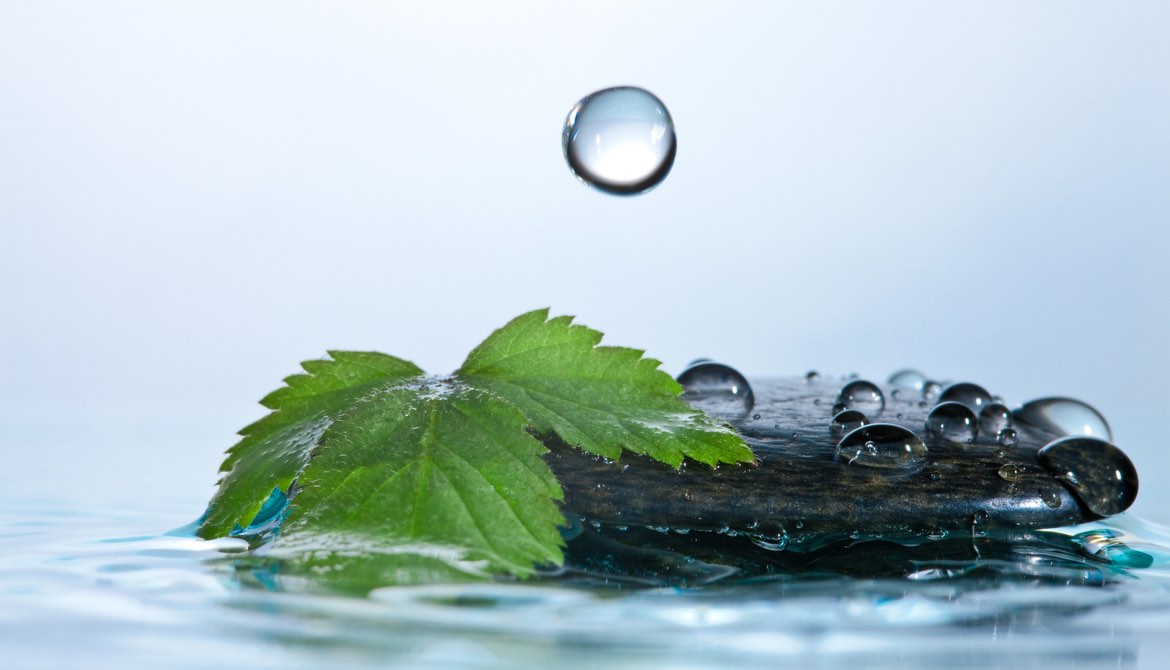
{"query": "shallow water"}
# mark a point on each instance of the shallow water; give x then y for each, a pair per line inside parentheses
(112, 588)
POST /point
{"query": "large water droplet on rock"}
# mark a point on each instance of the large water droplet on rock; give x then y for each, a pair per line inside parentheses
(1099, 474)
(1064, 416)
(952, 421)
(908, 379)
(971, 395)
(718, 388)
(620, 140)
(863, 396)
(882, 445)
(846, 421)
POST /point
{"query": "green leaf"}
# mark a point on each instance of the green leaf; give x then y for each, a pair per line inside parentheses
(601, 399)
(274, 449)
(430, 477)
(396, 478)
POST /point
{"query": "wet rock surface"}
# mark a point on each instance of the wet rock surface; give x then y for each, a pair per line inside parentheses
(802, 485)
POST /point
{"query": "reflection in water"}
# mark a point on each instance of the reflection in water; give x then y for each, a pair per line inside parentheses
(95, 590)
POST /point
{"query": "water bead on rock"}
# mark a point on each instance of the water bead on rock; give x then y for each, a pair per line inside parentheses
(719, 385)
(994, 418)
(1064, 416)
(863, 396)
(973, 396)
(620, 140)
(1098, 473)
(846, 421)
(882, 446)
(909, 379)
(952, 421)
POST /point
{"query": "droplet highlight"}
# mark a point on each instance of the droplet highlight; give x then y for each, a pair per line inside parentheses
(1064, 416)
(620, 140)
(863, 396)
(952, 421)
(1099, 474)
(882, 446)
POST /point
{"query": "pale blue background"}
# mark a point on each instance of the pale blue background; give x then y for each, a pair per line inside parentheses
(195, 197)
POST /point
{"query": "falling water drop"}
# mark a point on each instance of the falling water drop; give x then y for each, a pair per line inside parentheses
(1099, 474)
(971, 395)
(952, 421)
(862, 396)
(908, 379)
(1064, 416)
(620, 140)
(846, 421)
(720, 389)
(882, 445)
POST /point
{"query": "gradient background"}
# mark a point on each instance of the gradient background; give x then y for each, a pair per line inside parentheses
(193, 198)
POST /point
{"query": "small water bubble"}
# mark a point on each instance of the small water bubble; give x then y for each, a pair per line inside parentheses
(816, 401)
(1099, 474)
(620, 140)
(882, 445)
(898, 415)
(812, 376)
(1050, 498)
(1011, 472)
(1008, 437)
(846, 421)
(896, 393)
(935, 476)
(994, 418)
(721, 389)
(931, 389)
(800, 524)
(909, 379)
(952, 421)
(1064, 416)
(972, 395)
(756, 417)
(793, 435)
(862, 396)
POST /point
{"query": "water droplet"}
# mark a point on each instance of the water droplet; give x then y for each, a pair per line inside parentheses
(1099, 474)
(862, 396)
(812, 376)
(719, 388)
(936, 533)
(620, 140)
(1011, 472)
(846, 421)
(756, 417)
(882, 445)
(1050, 498)
(979, 523)
(971, 395)
(912, 380)
(952, 421)
(935, 476)
(930, 390)
(994, 418)
(1064, 416)
(1008, 437)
